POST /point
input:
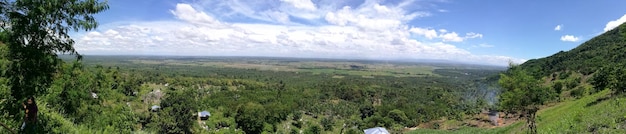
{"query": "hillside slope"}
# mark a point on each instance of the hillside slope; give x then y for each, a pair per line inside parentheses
(609, 47)
(581, 107)
(597, 113)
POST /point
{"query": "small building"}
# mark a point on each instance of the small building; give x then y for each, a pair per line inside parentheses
(376, 130)
(204, 115)
(155, 108)
(94, 95)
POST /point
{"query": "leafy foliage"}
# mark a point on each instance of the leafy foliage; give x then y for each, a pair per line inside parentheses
(176, 115)
(34, 31)
(255, 101)
(250, 117)
(611, 77)
(523, 92)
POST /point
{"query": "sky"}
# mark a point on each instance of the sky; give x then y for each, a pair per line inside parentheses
(489, 32)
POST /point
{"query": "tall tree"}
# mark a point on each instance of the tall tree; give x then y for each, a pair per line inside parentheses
(523, 93)
(176, 116)
(35, 31)
(250, 117)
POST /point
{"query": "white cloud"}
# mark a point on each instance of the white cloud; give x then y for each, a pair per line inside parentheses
(302, 4)
(558, 27)
(453, 37)
(370, 31)
(428, 33)
(371, 16)
(472, 35)
(612, 24)
(569, 38)
(187, 13)
(446, 37)
(484, 45)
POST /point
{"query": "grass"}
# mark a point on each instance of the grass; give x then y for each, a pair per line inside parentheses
(471, 130)
(596, 113)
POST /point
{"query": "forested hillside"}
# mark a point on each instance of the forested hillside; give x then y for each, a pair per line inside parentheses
(606, 49)
(589, 69)
(575, 91)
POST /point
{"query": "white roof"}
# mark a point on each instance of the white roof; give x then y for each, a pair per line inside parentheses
(376, 130)
(205, 113)
(155, 107)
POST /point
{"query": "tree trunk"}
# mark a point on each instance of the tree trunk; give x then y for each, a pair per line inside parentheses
(531, 115)
(6, 127)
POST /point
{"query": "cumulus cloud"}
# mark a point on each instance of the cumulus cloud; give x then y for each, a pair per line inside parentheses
(612, 24)
(558, 27)
(187, 13)
(453, 36)
(370, 31)
(428, 33)
(569, 38)
(444, 36)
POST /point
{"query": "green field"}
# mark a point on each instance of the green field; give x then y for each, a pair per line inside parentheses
(315, 67)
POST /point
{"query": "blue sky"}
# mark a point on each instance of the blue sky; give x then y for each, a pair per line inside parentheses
(483, 32)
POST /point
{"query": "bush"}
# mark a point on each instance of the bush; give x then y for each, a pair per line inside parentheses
(294, 131)
(327, 123)
(297, 124)
(578, 92)
(572, 83)
(297, 115)
(399, 117)
(313, 129)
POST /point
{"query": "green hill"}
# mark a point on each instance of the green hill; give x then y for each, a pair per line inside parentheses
(601, 50)
(588, 79)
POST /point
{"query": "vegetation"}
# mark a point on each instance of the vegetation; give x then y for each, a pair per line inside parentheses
(34, 31)
(596, 113)
(588, 69)
(523, 93)
(598, 52)
(123, 94)
(247, 100)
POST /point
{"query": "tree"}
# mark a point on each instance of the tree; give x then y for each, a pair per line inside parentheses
(601, 79)
(281, 89)
(612, 77)
(522, 92)
(558, 87)
(176, 114)
(399, 117)
(327, 123)
(250, 117)
(35, 31)
(313, 129)
(366, 111)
